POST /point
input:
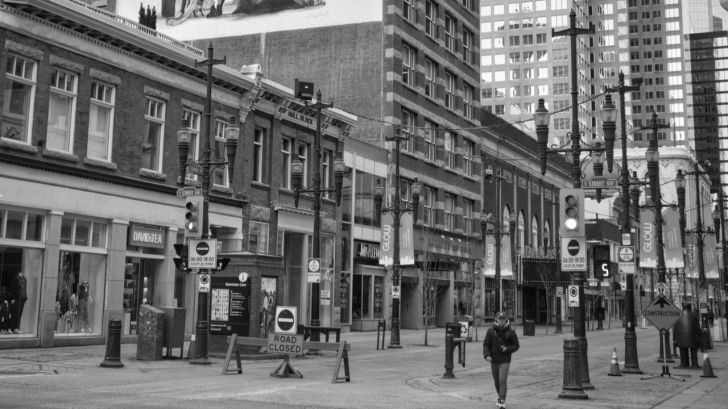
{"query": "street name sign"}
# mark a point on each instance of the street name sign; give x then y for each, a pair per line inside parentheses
(188, 191)
(599, 182)
(573, 254)
(662, 313)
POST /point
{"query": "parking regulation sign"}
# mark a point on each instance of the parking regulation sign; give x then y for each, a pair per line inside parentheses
(573, 254)
(202, 253)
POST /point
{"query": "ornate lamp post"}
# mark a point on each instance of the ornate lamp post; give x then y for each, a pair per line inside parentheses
(317, 190)
(397, 209)
(232, 134)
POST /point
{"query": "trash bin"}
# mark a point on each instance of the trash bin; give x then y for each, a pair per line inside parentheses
(529, 327)
(150, 333)
(466, 324)
(174, 329)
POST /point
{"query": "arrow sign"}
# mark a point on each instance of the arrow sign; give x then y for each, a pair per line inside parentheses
(662, 313)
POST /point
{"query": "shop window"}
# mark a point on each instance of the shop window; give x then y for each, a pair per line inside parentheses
(20, 271)
(138, 289)
(80, 232)
(378, 297)
(20, 225)
(361, 294)
(79, 295)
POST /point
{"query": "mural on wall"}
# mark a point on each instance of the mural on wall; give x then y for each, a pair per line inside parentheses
(214, 8)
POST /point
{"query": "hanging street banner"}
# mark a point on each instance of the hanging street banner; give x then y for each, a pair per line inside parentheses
(710, 256)
(691, 256)
(648, 242)
(671, 238)
(505, 261)
(406, 243)
(489, 260)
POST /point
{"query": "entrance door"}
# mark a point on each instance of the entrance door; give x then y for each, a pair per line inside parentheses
(293, 260)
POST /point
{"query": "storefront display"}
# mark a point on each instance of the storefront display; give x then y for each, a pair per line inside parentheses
(79, 293)
(20, 271)
(138, 289)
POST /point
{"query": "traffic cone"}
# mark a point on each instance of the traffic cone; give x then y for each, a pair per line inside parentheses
(707, 368)
(614, 366)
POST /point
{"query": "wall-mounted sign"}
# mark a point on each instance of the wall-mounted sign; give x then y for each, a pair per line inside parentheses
(146, 237)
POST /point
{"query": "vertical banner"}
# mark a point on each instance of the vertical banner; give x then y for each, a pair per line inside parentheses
(672, 240)
(710, 256)
(648, 249)
(489, 261)
(691, 256)
(505, 261)
(406, 243)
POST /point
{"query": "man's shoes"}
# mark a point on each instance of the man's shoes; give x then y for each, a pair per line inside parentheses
(501, 404)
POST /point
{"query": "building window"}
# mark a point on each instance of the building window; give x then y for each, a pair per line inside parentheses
(468, 156)
(408, 10)
(430, 77)
(449, 212)
(258, 237)
(326, 172)
(449, 33)
(303, 157)
(409, 121)
(468, 42)
(408, 65)
(193, 120)
(430, 18)
(153, 137)
(18, 98)
(101, 121)
(430, 137)
(449, 90)
(428, 204)
(468, 92)
(220, 174)
(83, 232)
(259, 142)
(21, 225)
(61, 110)
(286, 145)
(468, 206)
(449, 149)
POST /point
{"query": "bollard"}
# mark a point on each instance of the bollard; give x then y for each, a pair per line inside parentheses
(572, 388)
(113, 346)
(381, 327)
(449, 347)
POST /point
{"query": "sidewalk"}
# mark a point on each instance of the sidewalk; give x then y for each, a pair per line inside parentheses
(410, 377)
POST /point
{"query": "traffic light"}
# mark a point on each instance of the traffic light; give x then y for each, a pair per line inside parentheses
(600, 258)
(181, 260)
(192, 217)
(572, 213)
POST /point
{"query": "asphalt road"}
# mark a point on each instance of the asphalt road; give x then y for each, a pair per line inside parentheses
(410, 377)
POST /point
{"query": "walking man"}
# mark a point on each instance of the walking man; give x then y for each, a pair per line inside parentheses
(500, 342)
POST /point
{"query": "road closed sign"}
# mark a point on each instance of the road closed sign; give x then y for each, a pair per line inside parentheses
(285, 320)
(285, 344)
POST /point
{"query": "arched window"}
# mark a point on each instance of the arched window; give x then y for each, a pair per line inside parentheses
(521, 230)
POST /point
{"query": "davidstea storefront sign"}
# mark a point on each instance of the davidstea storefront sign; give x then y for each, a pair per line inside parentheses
(146, 237)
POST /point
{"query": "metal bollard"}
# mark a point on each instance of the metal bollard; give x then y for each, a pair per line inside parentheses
(449, 348)
(113, 346)
(572, 388)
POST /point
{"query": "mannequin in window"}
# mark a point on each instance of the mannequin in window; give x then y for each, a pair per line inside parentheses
(18, 296)
(84, 297)
(65, 285)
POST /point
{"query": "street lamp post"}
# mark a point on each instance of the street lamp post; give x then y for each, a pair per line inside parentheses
(397, 209)
(631, 361)
(653, 171)
(680, 188)
(317, 190)
(232, 133)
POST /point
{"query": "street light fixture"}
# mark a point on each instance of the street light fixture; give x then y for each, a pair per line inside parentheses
(232, 134)
(397, 209)
(631, 361)
(297, 182)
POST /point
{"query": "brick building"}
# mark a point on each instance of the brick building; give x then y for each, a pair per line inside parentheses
(91, 104)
